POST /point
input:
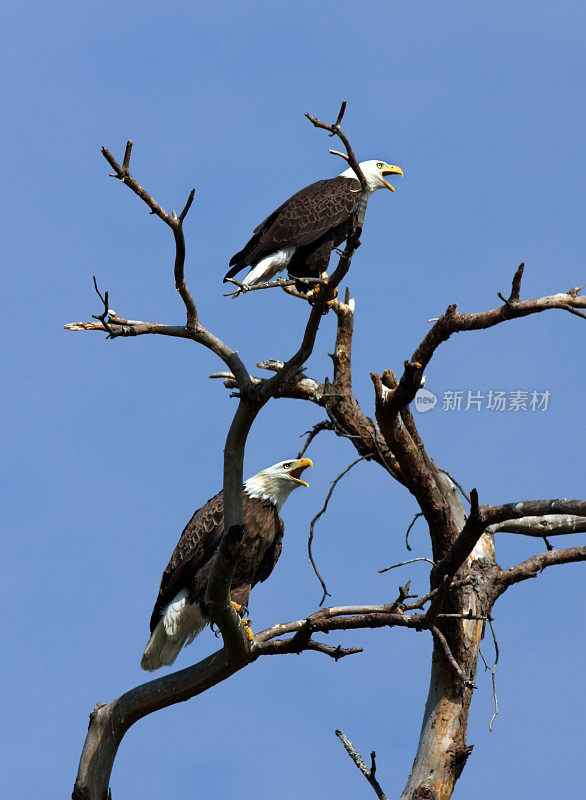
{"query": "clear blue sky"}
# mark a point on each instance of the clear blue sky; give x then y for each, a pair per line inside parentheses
(110, 446)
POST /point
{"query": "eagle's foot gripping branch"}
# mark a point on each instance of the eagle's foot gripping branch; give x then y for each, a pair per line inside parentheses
(242, 610)
(248, 630)
(313, 294)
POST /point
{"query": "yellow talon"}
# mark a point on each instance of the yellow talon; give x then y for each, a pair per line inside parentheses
(313, 294)
(241, 610)
(248, 630)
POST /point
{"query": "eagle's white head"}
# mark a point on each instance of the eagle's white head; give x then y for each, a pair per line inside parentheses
(276, 483)
(374, 172)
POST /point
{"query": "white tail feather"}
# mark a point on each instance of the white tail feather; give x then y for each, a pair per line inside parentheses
(180, 624)
(269, 266)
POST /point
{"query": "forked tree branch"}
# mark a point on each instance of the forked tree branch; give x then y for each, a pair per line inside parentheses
(334, 130)
(172, 220)
(453, 321)
(107, 727)
(455, 540)
(465, 580)
(109, 723)
(369, 774)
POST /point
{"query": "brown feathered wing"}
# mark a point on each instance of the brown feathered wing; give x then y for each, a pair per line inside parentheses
(324, 209)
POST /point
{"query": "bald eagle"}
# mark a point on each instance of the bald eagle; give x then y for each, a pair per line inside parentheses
(302, 232)
(179, 613)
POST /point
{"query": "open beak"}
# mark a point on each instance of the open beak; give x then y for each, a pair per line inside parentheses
(391, 170)
(297, 469)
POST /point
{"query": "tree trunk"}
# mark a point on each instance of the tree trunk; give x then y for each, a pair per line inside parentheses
(442, 751)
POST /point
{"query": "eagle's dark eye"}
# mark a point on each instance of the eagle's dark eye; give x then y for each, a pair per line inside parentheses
(380, 165)
(287, 465)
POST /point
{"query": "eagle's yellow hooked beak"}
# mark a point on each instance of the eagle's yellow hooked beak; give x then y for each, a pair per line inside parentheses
(390, 170)
(297, 469)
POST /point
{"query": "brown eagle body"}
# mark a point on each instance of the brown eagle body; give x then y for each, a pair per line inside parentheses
(192, 560)
(180, 613)
(300, 235)
(314, 221)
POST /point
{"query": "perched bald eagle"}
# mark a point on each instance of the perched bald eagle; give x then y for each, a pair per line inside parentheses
(179, 613)
(301, 233)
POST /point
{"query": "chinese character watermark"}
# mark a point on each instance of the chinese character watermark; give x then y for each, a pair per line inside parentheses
(516, 400)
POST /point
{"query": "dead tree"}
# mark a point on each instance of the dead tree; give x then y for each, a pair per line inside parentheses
(465, 578)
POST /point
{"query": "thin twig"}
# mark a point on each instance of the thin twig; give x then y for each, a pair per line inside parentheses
(122, 172)
(276, 647)
(441, 639)
(411, 561)
(334, 130)
(187, 205)
(492, 672)
(325, 425)
(337, 153)
(315, 519)
(369, 774)
(413, 521)
(105, 313)
(456, 484)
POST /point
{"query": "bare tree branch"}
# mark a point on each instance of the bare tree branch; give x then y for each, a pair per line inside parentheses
(172, 220)
(459, 486)
(325, 425)
(282, 646)
(109, 722)
(463, 546)
(439, 637)
(533, 566)
(454, 322)
(279, 283)
(417, 469)
(493, 669)
(496, 515)
(404, 563)
(369, 774)
(334, 130)
(547, 525)
(408, 531)
(516, 284)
